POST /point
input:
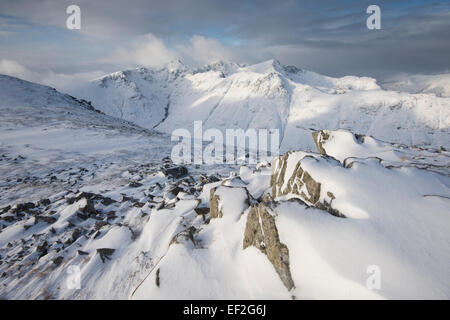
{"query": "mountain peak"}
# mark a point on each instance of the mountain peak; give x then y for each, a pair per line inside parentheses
(268, 66)
(176, 66)
(226, 67)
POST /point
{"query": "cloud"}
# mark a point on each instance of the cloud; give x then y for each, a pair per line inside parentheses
(145, 50)
(150, 51)
(326, 36)
(203, 50)
(60, 81)
(15, 69)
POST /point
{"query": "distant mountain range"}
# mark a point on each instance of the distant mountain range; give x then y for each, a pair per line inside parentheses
(270, 95)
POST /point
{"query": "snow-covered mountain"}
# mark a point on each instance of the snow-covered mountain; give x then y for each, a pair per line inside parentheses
(92, 207)
(269, 95)
(438, 84)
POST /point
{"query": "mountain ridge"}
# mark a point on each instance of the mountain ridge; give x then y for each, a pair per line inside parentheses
(269, 95)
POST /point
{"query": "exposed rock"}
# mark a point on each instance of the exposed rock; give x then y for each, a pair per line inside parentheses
(87, 206)
(202, 211)
(215, 200)
(157, 279)
(175, 171)
(42, 249)
(22, 207)
(135, 184)
(214, 211)
(172, 192)
(319, 138)
(261, 232)
(43, 202)
(207, 179)
(49, 220)
(106, 201)
(105, 253)
(58, 260)
(300, 183)
(203, 179)
(100, 224)
(5, 209)
(185, 235)
(75, 234)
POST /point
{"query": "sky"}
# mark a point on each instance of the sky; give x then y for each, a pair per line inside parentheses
(329, 37)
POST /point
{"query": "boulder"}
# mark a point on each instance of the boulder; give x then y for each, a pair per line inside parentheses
(86, 206)
(105, 253)
(175, 171)
(223, 196)
(261, 232)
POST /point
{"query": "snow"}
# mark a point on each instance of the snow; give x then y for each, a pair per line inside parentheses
(395, 223)
(54, 146)
(438, 84)
(344, 146)
(225, 95)
(218, 268)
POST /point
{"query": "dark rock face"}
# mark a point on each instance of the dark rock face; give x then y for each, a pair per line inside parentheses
(135, 184)
(100, 224)
(76, 234)
(175, 171)
(207, 179)
(22, 207)
(157, 278)
(88, 208)
(201, 211)
(49, 220)
(58, 260)
(105, 253)
(261, 232)
(44, 202)
(42, 249)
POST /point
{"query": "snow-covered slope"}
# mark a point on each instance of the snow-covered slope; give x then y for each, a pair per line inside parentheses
(438, 84)
(88, 197)
(268, 95)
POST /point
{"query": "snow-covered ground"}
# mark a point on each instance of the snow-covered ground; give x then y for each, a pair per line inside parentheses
(83, 190)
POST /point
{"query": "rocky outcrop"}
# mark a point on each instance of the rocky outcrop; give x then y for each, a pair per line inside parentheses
(323, 136)
(216, 202)
(261, 232)
(319, 138)
(175, 171)
(105, 253)
(186, 235)
(214, 211)
(299, 183)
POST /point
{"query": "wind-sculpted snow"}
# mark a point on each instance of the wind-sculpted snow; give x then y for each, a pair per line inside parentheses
(348, 147)
(268, 95)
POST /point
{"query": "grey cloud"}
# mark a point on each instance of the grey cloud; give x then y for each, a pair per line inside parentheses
(326, 36)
